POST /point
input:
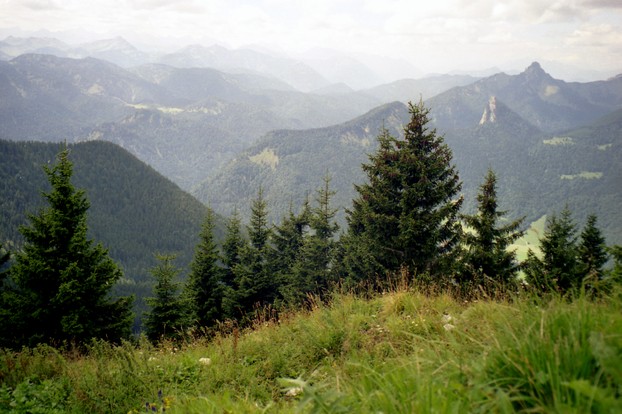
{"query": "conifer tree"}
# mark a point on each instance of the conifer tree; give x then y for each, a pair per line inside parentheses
(61, 281)
(615, 274)
(168, 314)
(205, 287)
(5, 256)
(407, 212)
(287, 242)
(557, 270)
(312, 270)
(486, 258)
(592, 251)
(232, 246)
(254, 284)
(5, 299)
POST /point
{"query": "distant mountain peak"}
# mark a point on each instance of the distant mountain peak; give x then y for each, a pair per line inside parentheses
(535, 71)
(115, 43)
(534, 67)
(490, 112)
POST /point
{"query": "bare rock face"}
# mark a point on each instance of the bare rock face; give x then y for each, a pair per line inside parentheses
(490, 112)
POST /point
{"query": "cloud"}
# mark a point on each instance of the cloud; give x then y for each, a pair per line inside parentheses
(596, 35)
(38, 5)
(604, 4)
(445, 31)
(181, 6)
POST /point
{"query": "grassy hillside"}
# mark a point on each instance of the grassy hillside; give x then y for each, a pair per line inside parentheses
(399, 352)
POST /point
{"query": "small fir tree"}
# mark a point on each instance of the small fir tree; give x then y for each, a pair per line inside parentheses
(557, 270)
(487, 262)
(5, 298)
(5, 256)
(61, 281)
(232, 248)
(168, 314)
(312, 270)
(592, 251)
(205, 287)
(406, 215)
(287, 241)
(254, 284)
(614, 276)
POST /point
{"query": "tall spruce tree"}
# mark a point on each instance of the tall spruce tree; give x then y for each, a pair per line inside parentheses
(407, 212)
(487, 261)
(205, 286)
(61, 280)
(557, 270)
(169, 314)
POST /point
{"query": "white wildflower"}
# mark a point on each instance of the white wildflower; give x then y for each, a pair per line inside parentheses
(205, 361)
(293, 392)
(449, 327)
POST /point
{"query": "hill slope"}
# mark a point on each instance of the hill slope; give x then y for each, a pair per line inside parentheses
(289, 164)
(135, 212)
(535, 176)
(399, 352)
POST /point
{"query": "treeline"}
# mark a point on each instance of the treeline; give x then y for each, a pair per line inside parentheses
(405, 223)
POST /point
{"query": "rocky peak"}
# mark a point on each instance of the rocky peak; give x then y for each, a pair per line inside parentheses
(490, 112)
(534, 68)
(535, 72)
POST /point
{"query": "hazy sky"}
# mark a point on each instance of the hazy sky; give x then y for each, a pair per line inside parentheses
(434, 35)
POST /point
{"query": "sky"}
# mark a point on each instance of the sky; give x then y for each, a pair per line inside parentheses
(433, 35)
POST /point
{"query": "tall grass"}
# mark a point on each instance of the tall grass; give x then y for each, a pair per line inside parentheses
(402, 351)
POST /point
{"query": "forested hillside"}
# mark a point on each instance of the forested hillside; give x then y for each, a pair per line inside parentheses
(290, 164)
(135, 212)
(538, 173)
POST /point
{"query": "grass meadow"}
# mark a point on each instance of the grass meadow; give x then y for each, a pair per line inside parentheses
(404, 351)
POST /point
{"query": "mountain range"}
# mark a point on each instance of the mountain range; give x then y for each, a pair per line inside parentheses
(222, 132)
(540, 172)
(185, 122)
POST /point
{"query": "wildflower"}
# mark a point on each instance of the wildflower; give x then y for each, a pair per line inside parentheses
(449, 327)
(293, 392)
(166, 402)
(205, 361)
(447, 318)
